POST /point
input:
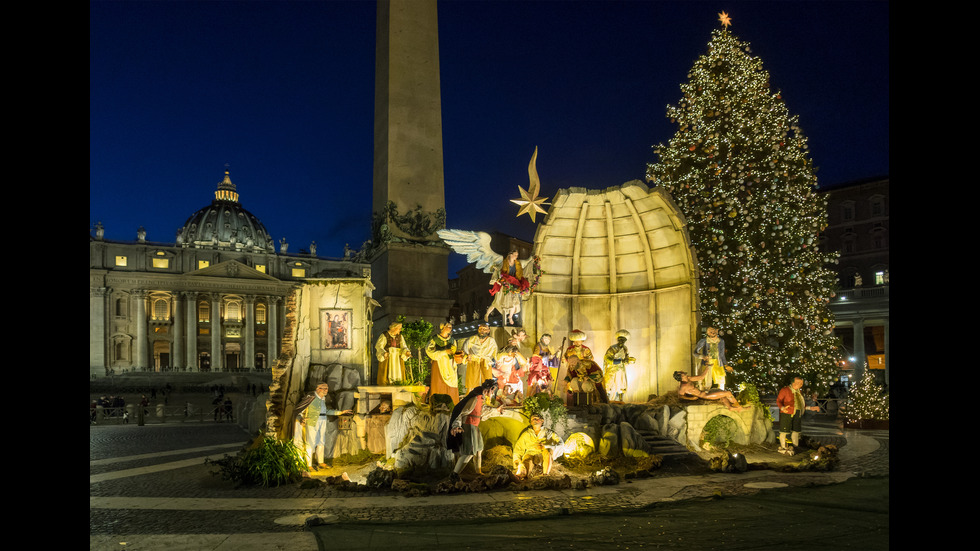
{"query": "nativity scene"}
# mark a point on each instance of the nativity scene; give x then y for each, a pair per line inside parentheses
(613, 271)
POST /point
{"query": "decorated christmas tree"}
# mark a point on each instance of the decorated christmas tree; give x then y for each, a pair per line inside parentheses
(738, 169)
(866, 401)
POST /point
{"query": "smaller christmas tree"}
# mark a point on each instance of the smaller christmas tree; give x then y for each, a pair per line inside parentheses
(866, 401)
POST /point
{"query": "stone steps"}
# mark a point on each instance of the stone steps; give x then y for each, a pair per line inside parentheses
(668, 448)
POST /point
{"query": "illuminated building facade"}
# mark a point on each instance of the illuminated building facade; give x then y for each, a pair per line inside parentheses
(211, 301)
(858, 228)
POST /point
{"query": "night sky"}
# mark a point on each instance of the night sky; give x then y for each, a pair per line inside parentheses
(283, 94)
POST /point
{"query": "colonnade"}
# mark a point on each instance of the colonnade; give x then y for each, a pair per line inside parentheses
(858, 325)
(182, 330)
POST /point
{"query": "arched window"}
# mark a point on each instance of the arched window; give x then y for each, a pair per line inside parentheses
(233, 309)
(161, 309)
(203, 311)
(119, 351)
(877, 203)
(260, 313)
(879, 236)
(880, 272)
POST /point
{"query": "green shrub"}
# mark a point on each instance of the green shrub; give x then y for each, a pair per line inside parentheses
(719, 431)
(417, 335)
(269, 462)
(554, 405)
(750, 395)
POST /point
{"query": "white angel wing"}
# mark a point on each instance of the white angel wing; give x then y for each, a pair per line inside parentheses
(474, 245)
(527, 265)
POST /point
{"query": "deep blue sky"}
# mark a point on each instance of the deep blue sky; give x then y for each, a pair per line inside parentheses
(283, 92)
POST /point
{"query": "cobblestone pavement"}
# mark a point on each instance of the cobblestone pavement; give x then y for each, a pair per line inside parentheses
(150, 490)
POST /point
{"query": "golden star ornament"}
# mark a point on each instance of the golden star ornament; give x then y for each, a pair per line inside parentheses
(529, 205)
(529, 202)
(725, 20)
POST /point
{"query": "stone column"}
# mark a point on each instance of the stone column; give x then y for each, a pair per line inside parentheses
(272, 320)
(248, 362)
(409, 263)
(191, 328)
(97, 332)
(140, 358)
(887, 365)
(217, 354)
(408, 167)
(860, 356)
(178, 356)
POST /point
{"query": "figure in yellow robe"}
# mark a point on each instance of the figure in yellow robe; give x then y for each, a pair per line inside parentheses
(536, 442)
(478, 352)
(391, 351)
(710, 353)
(441, 350)
(614, 362)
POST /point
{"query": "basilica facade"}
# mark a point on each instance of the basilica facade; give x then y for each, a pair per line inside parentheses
(214, 300)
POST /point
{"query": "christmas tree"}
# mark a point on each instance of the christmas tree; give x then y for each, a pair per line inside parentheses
(866, 400)
(738, 169)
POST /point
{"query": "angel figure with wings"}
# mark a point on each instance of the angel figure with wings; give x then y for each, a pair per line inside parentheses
(512, 279)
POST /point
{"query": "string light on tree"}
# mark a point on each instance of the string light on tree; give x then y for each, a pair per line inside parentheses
(738, 169)
(866, 400)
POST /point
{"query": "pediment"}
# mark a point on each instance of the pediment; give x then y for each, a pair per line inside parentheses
(232, 269)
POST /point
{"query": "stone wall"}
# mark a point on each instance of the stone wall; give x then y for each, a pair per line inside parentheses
(304, 343)
(751, 423)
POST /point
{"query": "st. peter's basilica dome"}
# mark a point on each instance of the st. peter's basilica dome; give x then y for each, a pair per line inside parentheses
(225, 224)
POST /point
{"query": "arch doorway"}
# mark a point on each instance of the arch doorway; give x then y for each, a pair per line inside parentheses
(233, 352)
(161, 356)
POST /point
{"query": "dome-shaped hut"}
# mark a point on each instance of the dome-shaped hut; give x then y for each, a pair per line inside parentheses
(614, 259)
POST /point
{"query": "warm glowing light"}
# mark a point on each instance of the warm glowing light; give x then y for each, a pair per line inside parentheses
(578, 444)
(725, 19)
(739, 171)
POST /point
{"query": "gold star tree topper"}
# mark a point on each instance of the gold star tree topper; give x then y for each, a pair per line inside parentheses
(529, 202)
(725, 20)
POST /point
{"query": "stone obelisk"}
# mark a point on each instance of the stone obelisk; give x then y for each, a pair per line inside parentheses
(409, 263)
